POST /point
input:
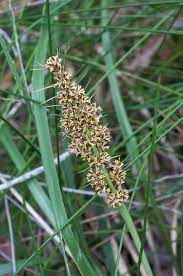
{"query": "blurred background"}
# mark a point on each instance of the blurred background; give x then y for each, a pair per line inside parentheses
(128, 57)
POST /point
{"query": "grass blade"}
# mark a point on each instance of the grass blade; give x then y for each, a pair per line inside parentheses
(36, 190)
(48, 163)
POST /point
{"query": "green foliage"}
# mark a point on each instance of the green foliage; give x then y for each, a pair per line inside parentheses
(132, 54)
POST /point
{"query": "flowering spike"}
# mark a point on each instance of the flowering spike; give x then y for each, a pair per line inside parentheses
(81, 122)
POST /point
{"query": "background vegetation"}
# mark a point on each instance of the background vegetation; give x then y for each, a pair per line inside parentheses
(128, 56)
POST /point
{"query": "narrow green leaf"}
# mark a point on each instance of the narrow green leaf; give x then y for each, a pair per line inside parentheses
(12, 67)
(48, 163)
(36, 190)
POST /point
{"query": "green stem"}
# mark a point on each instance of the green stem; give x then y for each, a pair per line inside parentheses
(108, 180)
(128, 220)
(131, 227)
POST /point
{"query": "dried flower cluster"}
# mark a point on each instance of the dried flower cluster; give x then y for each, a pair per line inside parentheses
(81, 122)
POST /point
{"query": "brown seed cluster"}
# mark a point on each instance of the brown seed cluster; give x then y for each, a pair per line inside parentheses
(81, 122)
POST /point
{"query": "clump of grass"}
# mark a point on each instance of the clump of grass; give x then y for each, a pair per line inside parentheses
(90, 139)
(132, 52)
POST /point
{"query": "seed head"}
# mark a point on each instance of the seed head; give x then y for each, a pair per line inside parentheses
(97, 180)
(116, 198)
(89, 138)
(117, 174)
